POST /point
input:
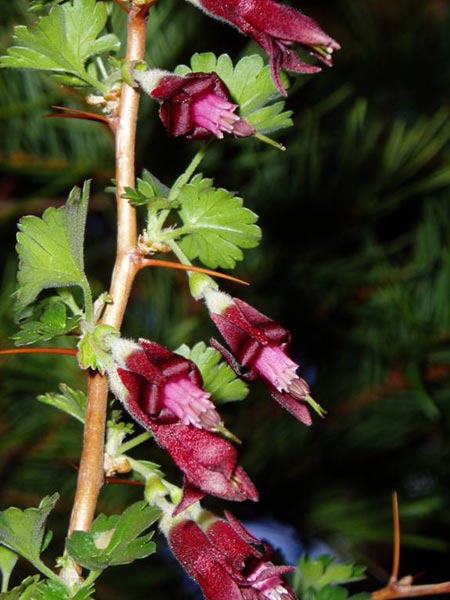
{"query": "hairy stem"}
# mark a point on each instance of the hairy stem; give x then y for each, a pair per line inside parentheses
(90, 477)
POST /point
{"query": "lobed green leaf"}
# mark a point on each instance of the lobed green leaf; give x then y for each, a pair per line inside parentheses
(115, 539)
(25, 591)
(72, 402)
(22, 531)
(50, 249)
(52, 322)
(216, 225)
(63, 41)
(219, 379)
(323, 575)
(8, 560)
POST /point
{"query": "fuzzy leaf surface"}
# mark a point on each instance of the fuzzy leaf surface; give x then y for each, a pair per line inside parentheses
(52, 322)
(50, 248)
(149, 191)
(219, 378)
(53, 590)
(23, 530)
(25, 591)
(216, 225)
(63, 41)
(8, 560)
(250, 85)
(72, 402)
(93, 347)
(115, 539)
(320, 577)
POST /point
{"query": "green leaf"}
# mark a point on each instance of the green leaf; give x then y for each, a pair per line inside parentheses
(25, 591)
(52, 321)
(73, 402)
(323, 573)
(115, 539)
(51, 590)
(219, 378)
(8, 560)
(250, 85)
(94, 348)
(216, 225)
(63, 41)
(23, 530)
(50, 249)
(149, 192)
(56, 590)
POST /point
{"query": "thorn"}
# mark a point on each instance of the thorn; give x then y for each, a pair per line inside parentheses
(69, 351)
(75, 113)
(396, 548)
(153, 262)
(118, 480)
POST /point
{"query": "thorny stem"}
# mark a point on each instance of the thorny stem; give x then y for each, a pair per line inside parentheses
(90, 475)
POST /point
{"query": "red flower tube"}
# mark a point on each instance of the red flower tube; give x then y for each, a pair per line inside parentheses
(228, 562)
(194, 106)
(162, 391)
(275, 27)
(260, 344)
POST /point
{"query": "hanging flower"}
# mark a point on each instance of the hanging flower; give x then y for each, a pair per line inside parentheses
(275, 27)
(195, 106)
(162, 391)
(260, 345)
(228, 562)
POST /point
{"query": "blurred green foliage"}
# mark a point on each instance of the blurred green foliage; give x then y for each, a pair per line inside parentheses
(354, 260)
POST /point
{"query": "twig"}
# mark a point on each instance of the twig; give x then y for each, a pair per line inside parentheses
(406, 590)
(396, 549)
(403, 588)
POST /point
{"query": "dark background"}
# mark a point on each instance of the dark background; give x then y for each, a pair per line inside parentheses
(354, 260)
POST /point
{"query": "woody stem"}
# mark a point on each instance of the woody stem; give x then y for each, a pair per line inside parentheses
(90, 476)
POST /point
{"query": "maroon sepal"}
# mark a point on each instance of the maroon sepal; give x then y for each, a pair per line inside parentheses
(148, 369)
(275, 27)
(298, 409)
(249, 375)
(203, 562)
(177, 96)
(245, 330)
(208, 461)
(228, 562)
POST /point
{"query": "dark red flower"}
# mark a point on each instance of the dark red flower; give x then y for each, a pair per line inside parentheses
(194, 106)
(162, 391)
(275, 27)
(228, 562)
(260, 345)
